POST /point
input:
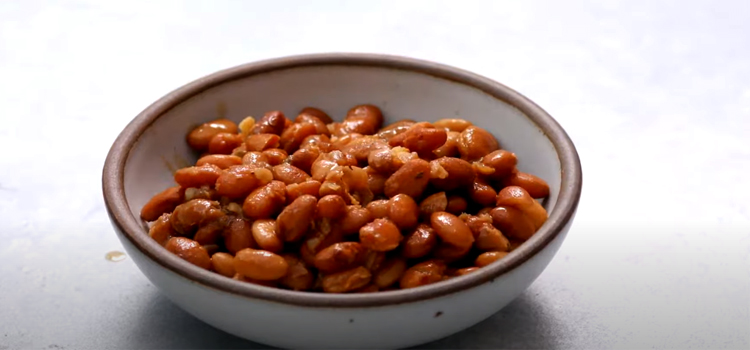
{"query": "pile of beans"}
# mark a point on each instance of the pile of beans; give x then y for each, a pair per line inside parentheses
(315, 205)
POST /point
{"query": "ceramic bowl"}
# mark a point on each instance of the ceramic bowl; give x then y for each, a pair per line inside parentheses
(141, 161)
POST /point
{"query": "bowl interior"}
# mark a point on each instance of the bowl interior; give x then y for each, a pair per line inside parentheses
(400, 94)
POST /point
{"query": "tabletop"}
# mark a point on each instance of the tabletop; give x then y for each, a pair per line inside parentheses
(655, 95)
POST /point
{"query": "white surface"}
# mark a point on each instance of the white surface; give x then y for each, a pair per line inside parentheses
(400, 94)
(655, 94)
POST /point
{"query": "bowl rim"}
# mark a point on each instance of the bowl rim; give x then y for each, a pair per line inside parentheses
(132, 228)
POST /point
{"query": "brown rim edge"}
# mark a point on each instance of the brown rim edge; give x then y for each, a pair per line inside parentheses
(132, 229)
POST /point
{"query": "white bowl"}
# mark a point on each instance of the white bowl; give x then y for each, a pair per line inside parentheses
(141, 160)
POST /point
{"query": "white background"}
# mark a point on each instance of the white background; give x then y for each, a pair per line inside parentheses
(655, 95)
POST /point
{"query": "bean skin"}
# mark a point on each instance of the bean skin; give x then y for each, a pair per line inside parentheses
(390, 272)
(519, 198)
(419, 243)
(403, 211)
(272, 122)
(487, 258)
(422, 274)
(534, 185)
(380, 235)
(162, 202)
(238, 235)
(161, 230)
(289, 174)
(293, 136)
(298, 276)
(200, 137)
(379, 208)
(222, 161)
(331, 207)
(256, 159)
(346, 281)
(455, 173)
(224, 143)
(474, 143)
(482, 193)
(424, 140)
(411, 179)
(451, 229)
(512, 222)
(275, 156)
(296, 218)
(261, 142)
(197, 176)
(502, 162)
(465, 271)
(339, 257)
(187, 217)
(375, 181)
(266, 235)
(223, 264)
(457, 125)
(456, 205)
(373, 260)
(266, 201)
(190, 251)
(318, 113)
(239, 181)
(309, 187)
(355, 217)
(434, 203)
(209, 233)
(260, 265)
(450, 253)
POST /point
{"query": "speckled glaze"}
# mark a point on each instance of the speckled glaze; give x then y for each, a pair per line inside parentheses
(141, 159)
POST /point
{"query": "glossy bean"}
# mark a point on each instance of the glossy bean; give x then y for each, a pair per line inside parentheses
(260, 264)
(190, 251)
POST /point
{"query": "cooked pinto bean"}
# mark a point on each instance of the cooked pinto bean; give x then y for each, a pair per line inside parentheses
(451, 229)
(422, 274)
(332, 207)
(380, 235)
(223, 263)
(339, 257)
(189, 250)
(161, 230)
(517, 197)
(225, 143)
(200, 137)
(420, 242)
(403, 211)
(411, 179)
(238, 181)
(475, 143)
(238, 235)
(346, 281)
(487, 258)
(298, 276)
(534, 185)
(260, 264)
(272, 123)
(294, 221)
(222, 161)
(318, 113)
(163, 202)
(188, 216)
(502, 163)
(197, 176)
(266, 235)
(266, 201)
